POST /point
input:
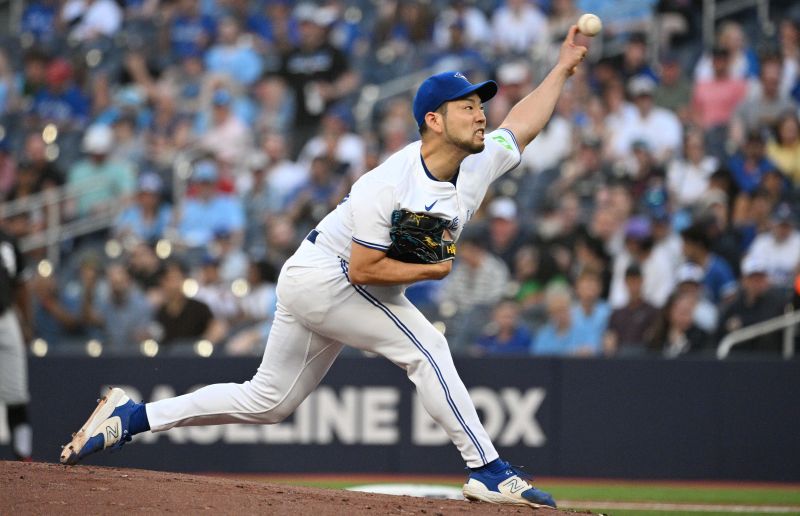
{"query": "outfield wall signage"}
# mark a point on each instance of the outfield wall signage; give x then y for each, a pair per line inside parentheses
(598, 418)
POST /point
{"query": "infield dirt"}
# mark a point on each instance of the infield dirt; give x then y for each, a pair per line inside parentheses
(43, 488)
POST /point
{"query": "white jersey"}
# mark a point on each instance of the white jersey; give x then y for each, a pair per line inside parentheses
(403, 182)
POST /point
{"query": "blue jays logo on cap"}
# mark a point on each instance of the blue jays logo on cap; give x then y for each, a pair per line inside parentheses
(444, 87)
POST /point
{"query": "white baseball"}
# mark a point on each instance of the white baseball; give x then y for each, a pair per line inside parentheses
(589, 24)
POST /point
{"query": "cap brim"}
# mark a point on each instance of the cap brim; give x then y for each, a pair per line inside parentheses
(485, 90)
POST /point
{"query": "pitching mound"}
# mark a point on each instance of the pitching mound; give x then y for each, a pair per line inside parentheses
(39, 488)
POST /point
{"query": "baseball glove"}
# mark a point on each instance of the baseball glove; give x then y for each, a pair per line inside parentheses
(417, 238)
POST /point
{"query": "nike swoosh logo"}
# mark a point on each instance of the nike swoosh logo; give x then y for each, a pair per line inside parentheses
(428, 208)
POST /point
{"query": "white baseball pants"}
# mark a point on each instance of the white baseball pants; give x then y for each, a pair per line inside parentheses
(318, 311)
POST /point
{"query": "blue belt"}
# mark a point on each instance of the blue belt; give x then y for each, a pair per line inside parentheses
(312, 236)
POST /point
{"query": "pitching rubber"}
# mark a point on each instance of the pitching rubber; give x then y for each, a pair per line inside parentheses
(475, 491)
(102, 412)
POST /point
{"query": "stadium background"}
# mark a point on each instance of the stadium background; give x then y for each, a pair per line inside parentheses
(205, 138)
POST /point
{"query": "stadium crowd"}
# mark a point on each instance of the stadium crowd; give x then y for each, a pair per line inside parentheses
(655, 213)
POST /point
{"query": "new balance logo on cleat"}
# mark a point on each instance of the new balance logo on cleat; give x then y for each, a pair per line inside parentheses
(514, 485)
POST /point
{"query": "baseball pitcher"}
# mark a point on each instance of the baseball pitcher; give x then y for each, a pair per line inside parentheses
(344, 285)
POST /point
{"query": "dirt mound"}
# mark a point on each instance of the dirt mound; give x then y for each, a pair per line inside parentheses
(40, 488)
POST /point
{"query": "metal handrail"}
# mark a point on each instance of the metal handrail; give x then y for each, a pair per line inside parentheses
(50, 202)
(786, 322)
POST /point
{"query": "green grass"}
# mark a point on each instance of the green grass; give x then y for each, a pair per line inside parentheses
(610, 491)
(674, 494)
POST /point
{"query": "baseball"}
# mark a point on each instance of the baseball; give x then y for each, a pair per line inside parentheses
(589, 24)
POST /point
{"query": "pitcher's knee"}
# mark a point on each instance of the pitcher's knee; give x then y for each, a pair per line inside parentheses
(434, 347)
(274, 415)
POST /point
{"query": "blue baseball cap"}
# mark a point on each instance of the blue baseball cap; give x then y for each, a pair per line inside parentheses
(444, 87)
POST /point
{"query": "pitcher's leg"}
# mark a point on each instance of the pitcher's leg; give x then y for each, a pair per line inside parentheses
(394, 328)
(294, 362)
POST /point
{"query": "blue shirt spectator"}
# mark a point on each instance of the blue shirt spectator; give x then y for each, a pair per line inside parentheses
(506, 335)
(147, 218)
(38, 20)
(232, 57)
(209, 210)
(749, 166)
(61, 102)
(190, 34)
(719, 280)
(560, 335)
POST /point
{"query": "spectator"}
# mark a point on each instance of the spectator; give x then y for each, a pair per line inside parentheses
(34, 153)
(690, 283)
(743, 62)
(674, 90)
(60, 100)
(99, 183)
(39, 20)
(182, 318)
(755, 301)
(60, 310)
(590, 313)
(657, 272)
(517, 27)
(228, 138)
(476, 27)
(459, 54)
(560, 336)
(145, 270)
(190, 32)
(209, 210)
(784, 148)
(92, 19)
(233, 56)
(534, 271)
(505, 234)
(275, 105)
(676, 333)
(336, 141)
(124, 314)
(764, 103)
(779, 249)
(129, 143)
(479, 277)
(634, 59)
(658, 128)
(321, 193)
(214, 291)
(232, 260)
(317, 72)
(505, 335)
(478, 281)
(630, 327)
(147, 217)
(750, 164)
(718, 278)
(688, 176)
(714, 100)
(584, 173)
(256, 311)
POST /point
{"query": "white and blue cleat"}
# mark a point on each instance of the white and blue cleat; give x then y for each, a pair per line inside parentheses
(107, 427)
(508, 488)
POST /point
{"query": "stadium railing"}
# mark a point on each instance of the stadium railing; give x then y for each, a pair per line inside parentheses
(786, 322)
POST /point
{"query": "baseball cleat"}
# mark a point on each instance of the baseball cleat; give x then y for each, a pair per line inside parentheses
(107, 427)
(508, 487)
